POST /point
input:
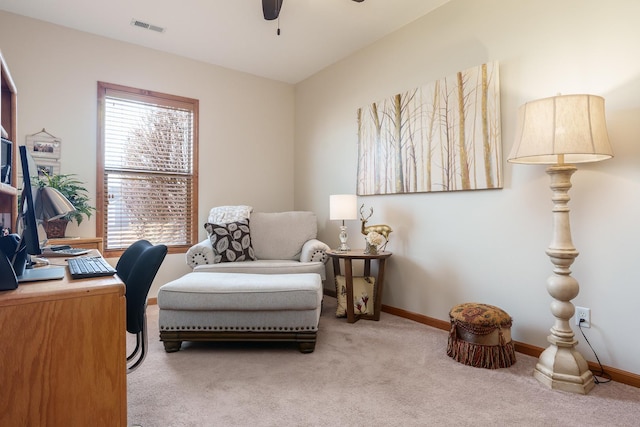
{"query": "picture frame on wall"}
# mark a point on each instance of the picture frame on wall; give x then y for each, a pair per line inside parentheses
(47, 166)
(44, 145)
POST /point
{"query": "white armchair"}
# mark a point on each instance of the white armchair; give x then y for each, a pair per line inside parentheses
(281, 242)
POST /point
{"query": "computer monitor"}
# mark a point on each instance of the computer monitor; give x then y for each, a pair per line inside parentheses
(27, 226)
(27, 210)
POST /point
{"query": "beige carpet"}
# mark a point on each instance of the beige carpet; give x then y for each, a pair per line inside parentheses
(387, 373)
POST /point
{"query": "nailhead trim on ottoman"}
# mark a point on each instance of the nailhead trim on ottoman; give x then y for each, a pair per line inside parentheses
(480, 336)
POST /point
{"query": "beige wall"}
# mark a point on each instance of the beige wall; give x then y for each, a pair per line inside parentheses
(246, 122)
(448, 248)
(489, 246)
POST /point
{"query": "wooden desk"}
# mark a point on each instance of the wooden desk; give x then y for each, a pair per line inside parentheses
(63, 353)
(347, 257)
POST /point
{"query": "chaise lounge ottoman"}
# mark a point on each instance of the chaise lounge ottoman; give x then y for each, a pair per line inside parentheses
(240, 307)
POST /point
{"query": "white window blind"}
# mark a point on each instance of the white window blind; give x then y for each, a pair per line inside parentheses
(148, 169)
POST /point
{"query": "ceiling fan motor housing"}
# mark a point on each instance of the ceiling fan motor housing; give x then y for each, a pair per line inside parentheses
(271, 9)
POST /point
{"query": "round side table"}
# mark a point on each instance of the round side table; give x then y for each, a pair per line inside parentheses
(348, 257)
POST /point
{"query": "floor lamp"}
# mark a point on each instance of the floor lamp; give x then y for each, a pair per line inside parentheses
(552, 131)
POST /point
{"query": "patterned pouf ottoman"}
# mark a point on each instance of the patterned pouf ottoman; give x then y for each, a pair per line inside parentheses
(480, 336)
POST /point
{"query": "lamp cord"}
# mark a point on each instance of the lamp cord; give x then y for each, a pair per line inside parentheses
(602, 373)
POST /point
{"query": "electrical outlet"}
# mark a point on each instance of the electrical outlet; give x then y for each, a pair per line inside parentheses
(583, 314)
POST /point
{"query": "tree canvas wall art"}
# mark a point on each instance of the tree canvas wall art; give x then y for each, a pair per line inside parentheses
(443, 136)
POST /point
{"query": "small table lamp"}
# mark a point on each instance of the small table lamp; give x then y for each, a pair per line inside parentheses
(51, 204)
(343, 207)
(569, 128)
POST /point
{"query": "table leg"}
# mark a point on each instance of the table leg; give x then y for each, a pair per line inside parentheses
(367, 267)
(378, 291)
(336, 266)
(348, 279)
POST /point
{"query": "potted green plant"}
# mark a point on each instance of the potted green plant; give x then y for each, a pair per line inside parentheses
(74, 190)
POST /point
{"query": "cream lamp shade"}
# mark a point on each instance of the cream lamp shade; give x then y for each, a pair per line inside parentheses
(343, 207)
(561, 129)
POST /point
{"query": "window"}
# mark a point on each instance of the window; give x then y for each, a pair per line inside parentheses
(147, 174)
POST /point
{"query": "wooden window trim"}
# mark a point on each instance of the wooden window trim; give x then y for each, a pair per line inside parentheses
(170, 100)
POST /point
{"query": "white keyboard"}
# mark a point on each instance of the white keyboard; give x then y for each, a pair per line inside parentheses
(53, 251)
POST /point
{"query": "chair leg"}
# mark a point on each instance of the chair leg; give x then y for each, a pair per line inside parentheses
(141, 347)
(135, 350)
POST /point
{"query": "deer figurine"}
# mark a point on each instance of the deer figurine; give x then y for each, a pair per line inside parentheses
(382, 229)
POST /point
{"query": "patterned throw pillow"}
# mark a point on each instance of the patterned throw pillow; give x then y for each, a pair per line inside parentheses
(363, 292)
(231, 242)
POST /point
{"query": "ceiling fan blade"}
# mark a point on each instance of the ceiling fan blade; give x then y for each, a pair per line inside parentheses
(271, 9)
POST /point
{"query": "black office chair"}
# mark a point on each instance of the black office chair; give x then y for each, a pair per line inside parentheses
(137, 267)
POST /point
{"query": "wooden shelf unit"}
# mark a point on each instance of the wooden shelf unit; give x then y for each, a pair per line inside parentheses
(8, 113)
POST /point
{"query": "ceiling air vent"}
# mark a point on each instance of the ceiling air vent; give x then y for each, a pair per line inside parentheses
(147, 26)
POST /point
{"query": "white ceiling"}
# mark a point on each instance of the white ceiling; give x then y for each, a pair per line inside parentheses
(233, 33)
